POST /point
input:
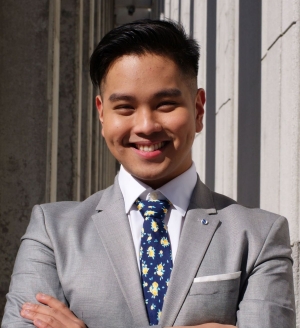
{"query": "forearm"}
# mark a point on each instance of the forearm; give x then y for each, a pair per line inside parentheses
(34, 271)
(268, 295)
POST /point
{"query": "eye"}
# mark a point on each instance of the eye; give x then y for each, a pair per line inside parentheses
(124, 109)
(123, 106)
(167, 105)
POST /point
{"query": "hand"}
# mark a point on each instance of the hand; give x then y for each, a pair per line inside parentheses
(54, 315)
(208, 325)
(215, 325)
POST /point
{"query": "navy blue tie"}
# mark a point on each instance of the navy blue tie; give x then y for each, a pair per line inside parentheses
(155, 256)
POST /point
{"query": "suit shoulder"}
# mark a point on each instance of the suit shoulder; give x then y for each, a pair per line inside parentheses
(71, 209)
(53, 220)
(222, 201)
(246, 217)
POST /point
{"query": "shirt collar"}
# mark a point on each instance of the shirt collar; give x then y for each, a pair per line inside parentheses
(178, 191)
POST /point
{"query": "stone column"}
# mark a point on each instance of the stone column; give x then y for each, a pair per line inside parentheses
(199, 30)
(210, 117)
(280, 120)
(50, 145)
(249, 103)
(174, 9)
(23, 123)
(167, 9)
(226, 97)
(185, 14)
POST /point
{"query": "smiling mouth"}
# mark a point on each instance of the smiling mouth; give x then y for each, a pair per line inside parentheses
(149, 148)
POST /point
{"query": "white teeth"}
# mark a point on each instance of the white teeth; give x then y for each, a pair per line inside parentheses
(150, 147)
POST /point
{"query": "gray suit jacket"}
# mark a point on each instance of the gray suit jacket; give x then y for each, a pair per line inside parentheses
(83, 254)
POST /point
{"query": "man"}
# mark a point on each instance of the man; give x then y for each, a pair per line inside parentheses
(204, 261)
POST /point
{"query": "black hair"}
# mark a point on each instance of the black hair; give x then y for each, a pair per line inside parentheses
(165, 38)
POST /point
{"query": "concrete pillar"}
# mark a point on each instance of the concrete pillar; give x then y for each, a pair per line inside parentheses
(96, 144)
(174, 9)
(23, 123)
(249, 103)
(270, 115)
(280, 112)
(167, 9)
(226, 97)
(185, 14)
(107, 163)
(280, 125)
(85, 149)
(210, 120)
(78, 104)
(90, 104)
(49, 140)
(53, 99)
(67, 87)
(199, 32)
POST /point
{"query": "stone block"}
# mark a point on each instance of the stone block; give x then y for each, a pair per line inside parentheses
(67, 103)
(274, 20)
(23, 123)
(219, 156)
(264, 28)
(198, 154)
(290, 130)
(199, 33)
(226, 88)
(185, 15)
(174, 10)
(167, 12)
(290, 13)
(270, 129)
(296, 266)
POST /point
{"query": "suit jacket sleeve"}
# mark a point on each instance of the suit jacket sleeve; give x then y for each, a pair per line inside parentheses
(34, 271)
(267, 298)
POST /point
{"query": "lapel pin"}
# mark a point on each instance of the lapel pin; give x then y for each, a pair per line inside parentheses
(204, 222)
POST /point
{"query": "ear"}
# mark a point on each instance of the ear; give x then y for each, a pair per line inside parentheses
(99, 105)
(199, 107)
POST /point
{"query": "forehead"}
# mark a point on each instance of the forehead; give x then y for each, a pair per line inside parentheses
(149, 70)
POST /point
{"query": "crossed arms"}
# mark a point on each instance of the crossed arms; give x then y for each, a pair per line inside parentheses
(57, 315)
(265, 301)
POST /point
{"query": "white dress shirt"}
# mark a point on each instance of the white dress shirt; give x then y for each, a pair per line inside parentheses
(178, 191)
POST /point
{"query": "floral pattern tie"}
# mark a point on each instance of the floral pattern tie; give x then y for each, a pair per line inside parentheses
(155, 256)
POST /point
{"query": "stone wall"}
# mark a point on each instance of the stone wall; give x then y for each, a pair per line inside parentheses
(280, 117)
(49, 131)
(250, 66)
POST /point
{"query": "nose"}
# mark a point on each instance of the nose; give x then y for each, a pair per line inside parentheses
(146, 122)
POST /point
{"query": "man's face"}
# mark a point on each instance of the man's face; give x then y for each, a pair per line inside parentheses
(150, 113)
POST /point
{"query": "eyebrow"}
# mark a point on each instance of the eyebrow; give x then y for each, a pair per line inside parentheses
(120, 96)
(160, 94)
(168, 93)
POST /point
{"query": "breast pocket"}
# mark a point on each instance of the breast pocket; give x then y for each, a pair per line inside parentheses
(211, 301)
(230, 286)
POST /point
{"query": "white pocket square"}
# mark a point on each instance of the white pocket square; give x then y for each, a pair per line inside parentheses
(219, 277)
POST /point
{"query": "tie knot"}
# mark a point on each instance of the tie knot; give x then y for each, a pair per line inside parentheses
(153, 208)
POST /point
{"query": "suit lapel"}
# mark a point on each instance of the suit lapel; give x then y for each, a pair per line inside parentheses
(194, 241)
(114, 230)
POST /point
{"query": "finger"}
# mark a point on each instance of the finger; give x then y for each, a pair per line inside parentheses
(45, 317)
(54, 303)
(55, 316)
(42, 320)
(52, 317)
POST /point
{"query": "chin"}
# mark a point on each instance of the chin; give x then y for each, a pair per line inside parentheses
(152, 179)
